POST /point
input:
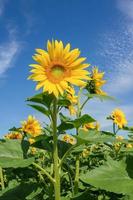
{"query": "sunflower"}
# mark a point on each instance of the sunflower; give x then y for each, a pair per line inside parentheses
(73, 100)
(13, 135)
(119, 137)
(91, 126)
(129, 145)
(96, 82)
(119, 118)
(68, 139)
(57, 67)
(85, 153)
(31, 126)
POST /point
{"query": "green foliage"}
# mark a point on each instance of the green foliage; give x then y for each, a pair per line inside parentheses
(40, 109)
(104, 170)
(12, 154)
(111, 176)
(94, 136)
(70, 124)
(100, 97)
(42, 98)
(23, 191)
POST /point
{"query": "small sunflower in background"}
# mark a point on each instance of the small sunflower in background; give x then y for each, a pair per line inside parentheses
(13, 135)
(58, 67)
(71, 96)
(91, 126)
(31, 126)
(119, 118)
(95, 84)
(68, 139)
(119, 137)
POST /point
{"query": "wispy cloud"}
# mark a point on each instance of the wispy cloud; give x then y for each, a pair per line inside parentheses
(126, 6)
(8, 52)
(2, 6)
(117, 50)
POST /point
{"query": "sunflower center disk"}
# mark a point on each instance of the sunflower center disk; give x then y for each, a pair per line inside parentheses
(57, 71)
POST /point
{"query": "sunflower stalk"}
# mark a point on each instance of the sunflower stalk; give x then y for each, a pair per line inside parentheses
(77, 164)
(2, 179)
(44, 171)
(56, 167)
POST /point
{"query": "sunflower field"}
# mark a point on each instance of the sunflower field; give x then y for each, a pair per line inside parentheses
(69, 157)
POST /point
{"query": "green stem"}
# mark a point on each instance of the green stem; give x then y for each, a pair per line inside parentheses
(84, 103)
(65, 155)
(77, 164)
(76, 180)
(45, 172)
(55, 153)
(114, 131)
(2, 179)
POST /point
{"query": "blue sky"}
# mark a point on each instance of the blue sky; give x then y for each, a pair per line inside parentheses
(101, 29)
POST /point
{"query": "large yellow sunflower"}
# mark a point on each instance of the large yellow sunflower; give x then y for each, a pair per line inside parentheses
(31, 126)
(57, 67)
(119, 118)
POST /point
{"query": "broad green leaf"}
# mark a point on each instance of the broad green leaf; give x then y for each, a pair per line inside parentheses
(64, 118)
(129, 167)
(112, 176)
(42, 98)
(11, 149)
(43, 142)
(127, 128)
(70, 124)
(83, 120)
(40, 109)
(12, 154)
(24, 191)
(93, 136)
(64, 102)
(15, 163)
(101, 97)
(14, 129)
(86, 195)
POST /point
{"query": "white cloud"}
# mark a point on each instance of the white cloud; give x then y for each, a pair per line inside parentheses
(117, 50)
(2, 6)
(8, 52)
(126, 6)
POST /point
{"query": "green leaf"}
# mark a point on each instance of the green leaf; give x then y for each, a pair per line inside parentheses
(43, 142)
(129, 167)
(93, 136)
(15, 163)
(12, 155)
(14, 129)
(70, 124)
(86, 195)
(40, 109)
(112, 176)
(101, 97)
(83, 120)
(42, 98)
(127, 128)
(24, 191)
(11, 149)
(64, 102)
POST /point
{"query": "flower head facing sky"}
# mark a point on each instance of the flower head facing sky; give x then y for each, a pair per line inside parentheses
(119, 118)
(57, 67)
(31, 126)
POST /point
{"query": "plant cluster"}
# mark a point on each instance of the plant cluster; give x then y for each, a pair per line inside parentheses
(68, 157)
